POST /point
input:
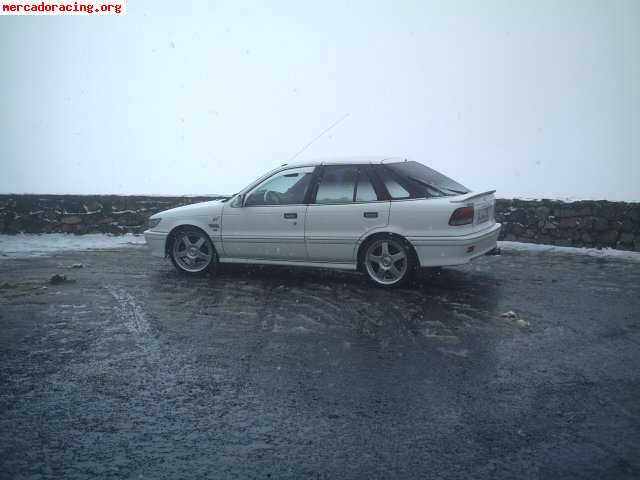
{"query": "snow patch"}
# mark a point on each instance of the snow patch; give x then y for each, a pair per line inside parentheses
(592, 252)
(31, 245)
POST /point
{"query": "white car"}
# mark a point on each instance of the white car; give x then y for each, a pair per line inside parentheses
(383, 216)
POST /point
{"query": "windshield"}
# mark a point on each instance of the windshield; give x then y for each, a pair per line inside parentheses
(428, 178)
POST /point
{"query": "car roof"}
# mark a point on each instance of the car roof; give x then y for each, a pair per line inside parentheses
(325, 161)
(346, 161)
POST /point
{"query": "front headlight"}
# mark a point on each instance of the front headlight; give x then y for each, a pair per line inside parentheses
(154, 222)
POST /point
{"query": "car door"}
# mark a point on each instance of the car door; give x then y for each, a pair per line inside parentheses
(344, 207)
(269, 223)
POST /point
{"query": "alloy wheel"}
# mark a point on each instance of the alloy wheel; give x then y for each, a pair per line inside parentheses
(386, 261)
(192, 251)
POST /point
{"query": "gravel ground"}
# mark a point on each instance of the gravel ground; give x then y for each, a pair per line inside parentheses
(129, 370)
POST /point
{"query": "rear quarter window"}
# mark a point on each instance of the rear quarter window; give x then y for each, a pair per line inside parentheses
(423, 181)
(394, 184)
(395, 190)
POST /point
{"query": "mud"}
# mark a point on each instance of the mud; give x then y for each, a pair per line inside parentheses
(129, 370)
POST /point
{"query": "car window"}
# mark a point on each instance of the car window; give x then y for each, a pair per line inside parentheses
(285, 188)
(345, 184)
(424, 181)
(395, 189)
(401, 186)
(337, 185)
(365, 191)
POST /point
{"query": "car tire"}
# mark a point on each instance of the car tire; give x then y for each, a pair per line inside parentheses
(192, 252)
(388, 261)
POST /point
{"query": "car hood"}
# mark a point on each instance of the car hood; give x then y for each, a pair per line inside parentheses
(195, 209)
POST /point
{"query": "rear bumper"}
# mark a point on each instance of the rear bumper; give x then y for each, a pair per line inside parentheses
(443, 251)
(156, 242)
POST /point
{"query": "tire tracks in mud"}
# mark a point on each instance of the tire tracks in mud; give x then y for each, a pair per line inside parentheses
(133, 317)
(167, 369)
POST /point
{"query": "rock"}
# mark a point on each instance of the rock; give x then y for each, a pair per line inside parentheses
(600, 224)
(517, 228)
(608, 238)
(130, 219)
(563, 212)
(72, 204)
(542, 212)
(72, 220)
(569, 222)
(626, 238)
(57, 278)
(627, 226)
(80, 229)
(518, 216)
(51, 214)
(92, 206)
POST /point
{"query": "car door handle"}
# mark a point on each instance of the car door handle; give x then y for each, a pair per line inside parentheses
(370, 214)
(290, 215)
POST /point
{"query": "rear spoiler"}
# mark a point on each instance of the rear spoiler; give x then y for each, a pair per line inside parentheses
(472, 196)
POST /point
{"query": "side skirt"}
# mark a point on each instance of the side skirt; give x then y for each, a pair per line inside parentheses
(290, 263)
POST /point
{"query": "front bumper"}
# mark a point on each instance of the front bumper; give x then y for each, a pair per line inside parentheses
(444, 251)
(156, 242)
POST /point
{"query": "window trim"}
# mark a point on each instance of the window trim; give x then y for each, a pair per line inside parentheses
(378, 186)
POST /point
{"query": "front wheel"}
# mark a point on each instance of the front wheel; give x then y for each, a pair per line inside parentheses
(192, 251)
(388, 261)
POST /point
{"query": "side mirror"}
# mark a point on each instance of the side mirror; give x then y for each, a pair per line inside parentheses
(239, 201)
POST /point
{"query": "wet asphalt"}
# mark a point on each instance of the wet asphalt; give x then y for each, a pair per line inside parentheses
(130, 370)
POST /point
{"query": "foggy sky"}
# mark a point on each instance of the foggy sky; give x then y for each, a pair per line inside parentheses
(532, 98)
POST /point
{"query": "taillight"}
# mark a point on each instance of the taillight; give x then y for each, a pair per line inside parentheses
(462, 216)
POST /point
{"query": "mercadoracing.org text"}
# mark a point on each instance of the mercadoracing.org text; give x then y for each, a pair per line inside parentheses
(49, 7)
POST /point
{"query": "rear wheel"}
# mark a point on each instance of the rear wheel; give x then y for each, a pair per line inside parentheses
(388, 261)
(192, 251)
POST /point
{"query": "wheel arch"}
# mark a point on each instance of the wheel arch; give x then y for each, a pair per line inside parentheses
(374, 235)
(168, 244)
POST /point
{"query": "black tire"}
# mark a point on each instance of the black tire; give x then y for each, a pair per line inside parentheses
(197, 257)
(391, 266)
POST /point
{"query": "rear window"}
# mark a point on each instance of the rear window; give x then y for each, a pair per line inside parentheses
(420, 181)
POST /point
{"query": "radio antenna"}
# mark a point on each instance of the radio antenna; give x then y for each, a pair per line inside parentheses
(321, 134)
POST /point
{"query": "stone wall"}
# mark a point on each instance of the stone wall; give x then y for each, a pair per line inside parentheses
(593, 223)
(80, 214)
(580, 224)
